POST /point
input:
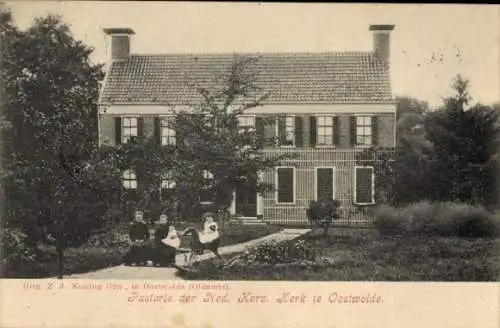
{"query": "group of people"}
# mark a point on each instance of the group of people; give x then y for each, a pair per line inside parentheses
(166, 239)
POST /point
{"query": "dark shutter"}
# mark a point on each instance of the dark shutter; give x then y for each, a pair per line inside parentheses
(336, 131)
(312, 131)
(269, 132)
(259, 130)
(352, 128)
(157, 131)
(282, 130)
(324, 183)
(364, 185)
(118, 130)
(140, 128)
(299, 131)
(285, 185)
(375, 130)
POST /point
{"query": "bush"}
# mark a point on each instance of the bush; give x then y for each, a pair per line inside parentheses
(17, 256)
(284, 252)
(437, 219)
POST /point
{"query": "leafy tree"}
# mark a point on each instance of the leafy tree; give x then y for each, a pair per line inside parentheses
(464, 141)
(214, 154)
(59, 185)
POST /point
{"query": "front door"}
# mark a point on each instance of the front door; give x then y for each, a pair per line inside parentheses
(246, 201)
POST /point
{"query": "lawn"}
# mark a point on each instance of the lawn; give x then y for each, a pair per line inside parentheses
(108, 249)
(350, 254)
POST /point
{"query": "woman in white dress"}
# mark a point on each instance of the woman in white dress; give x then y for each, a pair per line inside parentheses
(210, 229)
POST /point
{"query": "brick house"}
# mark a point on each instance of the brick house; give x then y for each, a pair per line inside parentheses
(330, 107)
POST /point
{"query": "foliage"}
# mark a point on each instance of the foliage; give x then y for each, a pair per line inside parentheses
(275, 253)
(442, 219)
(16, 253)
(465, 140)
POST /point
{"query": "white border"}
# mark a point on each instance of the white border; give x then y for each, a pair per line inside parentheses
(294, 185)
(334, 180)
(373, 184)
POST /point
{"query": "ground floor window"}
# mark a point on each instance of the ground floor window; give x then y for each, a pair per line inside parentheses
(129, 179)
(324, 182)
(285, 185)
(364, 185)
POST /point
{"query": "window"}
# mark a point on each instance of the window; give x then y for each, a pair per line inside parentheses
(129, 179)
(167, 131)
(324, 182)
(364, 185)
(167, 181)
(363, 130)
(206, 192)
(246, 122)
(129, 128)
(286, 131)
(285, 185)
(324, 128)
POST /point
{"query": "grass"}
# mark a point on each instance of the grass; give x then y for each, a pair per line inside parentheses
(349, 254)
(109, 250)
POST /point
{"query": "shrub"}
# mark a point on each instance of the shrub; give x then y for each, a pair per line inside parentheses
(17, 256)
(284, 252)
(437, 219)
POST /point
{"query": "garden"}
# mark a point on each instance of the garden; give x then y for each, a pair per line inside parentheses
(420, 242)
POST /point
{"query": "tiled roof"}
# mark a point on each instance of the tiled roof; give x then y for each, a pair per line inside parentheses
(287, 78)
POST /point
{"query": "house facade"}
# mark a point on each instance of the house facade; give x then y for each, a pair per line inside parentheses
(332, 110)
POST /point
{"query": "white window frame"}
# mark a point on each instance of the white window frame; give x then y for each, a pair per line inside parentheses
(371, 128)
(246, 116)
(171, 139)
(355, 184)
(334, 179)
(126, 138)
(127, 179)
(333, 130)
(276, 180)
(167, 181)
(278, 131)
(206, 174)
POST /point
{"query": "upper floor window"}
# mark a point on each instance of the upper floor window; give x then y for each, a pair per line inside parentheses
(364, 131)
(167, 131)
(129, 179)
(168, 181)
(129, 128)
(246, 122)
(286, 131)
(324, 130)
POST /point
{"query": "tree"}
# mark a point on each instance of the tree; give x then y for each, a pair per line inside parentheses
(215, 154)
(59, 185)
(464, 140)
(411, 171)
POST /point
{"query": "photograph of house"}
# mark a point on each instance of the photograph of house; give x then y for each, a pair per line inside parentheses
(329, 107)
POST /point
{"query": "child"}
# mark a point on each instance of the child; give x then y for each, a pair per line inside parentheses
(172, 243)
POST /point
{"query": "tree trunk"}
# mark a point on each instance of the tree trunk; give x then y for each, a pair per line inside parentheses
(60, 262)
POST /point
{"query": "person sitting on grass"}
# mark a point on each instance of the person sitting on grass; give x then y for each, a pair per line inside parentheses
(162, 253)
(139, 234)
(172, 243)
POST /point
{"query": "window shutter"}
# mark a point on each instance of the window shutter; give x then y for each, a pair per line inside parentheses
(336, 130)
(269, 132)
(364, 185)
(353, 130)
(324, 183)
(140, 128)
(299, 131)
(285, 185)
(312, 131)
(259, 130)
(375, 130)
(118, 130)
(157, 132)
(282, 130)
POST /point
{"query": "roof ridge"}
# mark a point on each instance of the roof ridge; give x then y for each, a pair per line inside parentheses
(345, 53)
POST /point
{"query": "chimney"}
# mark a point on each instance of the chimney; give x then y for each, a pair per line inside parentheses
(382, 41)
(119, 45)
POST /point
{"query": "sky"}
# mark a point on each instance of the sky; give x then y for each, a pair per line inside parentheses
(466, 37)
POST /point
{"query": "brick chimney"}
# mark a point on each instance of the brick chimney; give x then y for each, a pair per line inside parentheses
(382, 41)
(119, 43)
